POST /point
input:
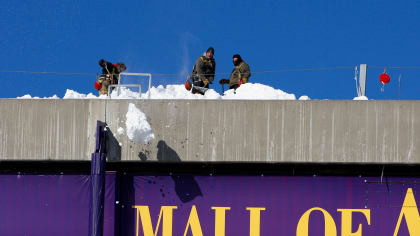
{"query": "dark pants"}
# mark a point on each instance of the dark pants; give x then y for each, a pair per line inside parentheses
(198, 82)
(235, 86)
(106, 81)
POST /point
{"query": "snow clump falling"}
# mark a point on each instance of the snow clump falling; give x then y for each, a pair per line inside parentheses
(120, 130)
(137, 127)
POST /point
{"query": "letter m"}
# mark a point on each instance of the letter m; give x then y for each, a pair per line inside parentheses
(143, 214)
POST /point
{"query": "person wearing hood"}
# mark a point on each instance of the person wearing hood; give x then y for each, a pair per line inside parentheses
(204, 69)
(240, 74)
(110, 75)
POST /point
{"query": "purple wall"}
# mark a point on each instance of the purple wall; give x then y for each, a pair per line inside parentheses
(50, 205)
(58, 204)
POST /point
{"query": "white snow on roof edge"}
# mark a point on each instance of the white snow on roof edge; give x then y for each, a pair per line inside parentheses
(249, 91)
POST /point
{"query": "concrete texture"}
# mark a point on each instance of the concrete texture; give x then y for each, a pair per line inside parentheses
(212, 130)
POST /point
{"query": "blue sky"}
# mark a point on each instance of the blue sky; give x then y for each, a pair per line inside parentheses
(166, 37)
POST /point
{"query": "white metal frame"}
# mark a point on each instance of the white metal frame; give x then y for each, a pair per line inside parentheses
(139, 74)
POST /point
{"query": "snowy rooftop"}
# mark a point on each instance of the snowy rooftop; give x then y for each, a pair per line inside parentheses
(249, 91)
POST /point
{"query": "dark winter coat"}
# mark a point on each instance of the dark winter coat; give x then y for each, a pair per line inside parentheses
(240, 72)
(109, 68)
(205, 68)
(110, 75)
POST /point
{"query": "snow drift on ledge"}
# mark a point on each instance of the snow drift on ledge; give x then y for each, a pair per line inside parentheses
(249, 91)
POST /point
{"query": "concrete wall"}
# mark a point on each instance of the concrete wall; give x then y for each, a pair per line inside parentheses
(212, 130)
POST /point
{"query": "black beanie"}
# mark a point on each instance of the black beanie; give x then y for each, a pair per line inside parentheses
(237, 56)
(210, 49)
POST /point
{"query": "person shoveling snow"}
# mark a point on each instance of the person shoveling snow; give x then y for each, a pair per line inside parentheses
(202, 74)
(240, 74)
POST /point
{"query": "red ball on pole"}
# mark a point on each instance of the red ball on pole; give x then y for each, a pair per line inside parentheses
(384, 78)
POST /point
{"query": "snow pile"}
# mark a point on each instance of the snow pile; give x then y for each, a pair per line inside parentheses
(138, 129)
(258, 92)
(70, 94)
(246, 91)
(123, 93)
(304, 97)
(27, 96)
(249, 91)
(176, 91)
(361, 98)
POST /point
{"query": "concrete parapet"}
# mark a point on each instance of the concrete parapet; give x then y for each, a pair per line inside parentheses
(216, 130)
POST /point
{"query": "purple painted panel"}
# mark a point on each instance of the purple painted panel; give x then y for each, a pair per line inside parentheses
(285, 200)
(50, 204)
(58, 204)
(109, 211)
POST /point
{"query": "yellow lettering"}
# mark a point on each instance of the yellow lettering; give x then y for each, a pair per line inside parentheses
(346, 221)
(254, 220)
(410, 211)
(194, 223)
(220, 219)
(303, 224)
(143, 213)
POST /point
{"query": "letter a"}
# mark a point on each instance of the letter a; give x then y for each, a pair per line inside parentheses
(194, 223)
(411, 213)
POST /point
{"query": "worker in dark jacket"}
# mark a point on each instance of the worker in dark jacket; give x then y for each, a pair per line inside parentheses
(204, 69)
(240, 74)
(110, 75)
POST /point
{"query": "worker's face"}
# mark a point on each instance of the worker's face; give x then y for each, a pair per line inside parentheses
(235, 61)
(209, 54)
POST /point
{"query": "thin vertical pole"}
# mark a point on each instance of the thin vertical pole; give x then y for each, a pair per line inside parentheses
(399, 86)
(356, 75)
(150, 85)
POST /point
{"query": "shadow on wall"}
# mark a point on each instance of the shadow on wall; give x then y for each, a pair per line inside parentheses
(186, 187)
(166, 153)
(113, 149)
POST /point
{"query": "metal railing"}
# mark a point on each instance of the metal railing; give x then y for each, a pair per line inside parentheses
(137, 74)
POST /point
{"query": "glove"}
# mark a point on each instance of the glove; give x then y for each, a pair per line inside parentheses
(240, 83)
(205, 82)
(98, 85)
(102, 62)
(223, 81)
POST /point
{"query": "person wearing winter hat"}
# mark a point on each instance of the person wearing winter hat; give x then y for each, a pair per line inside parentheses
(204, 69)
(240, 74)
(110, 75)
